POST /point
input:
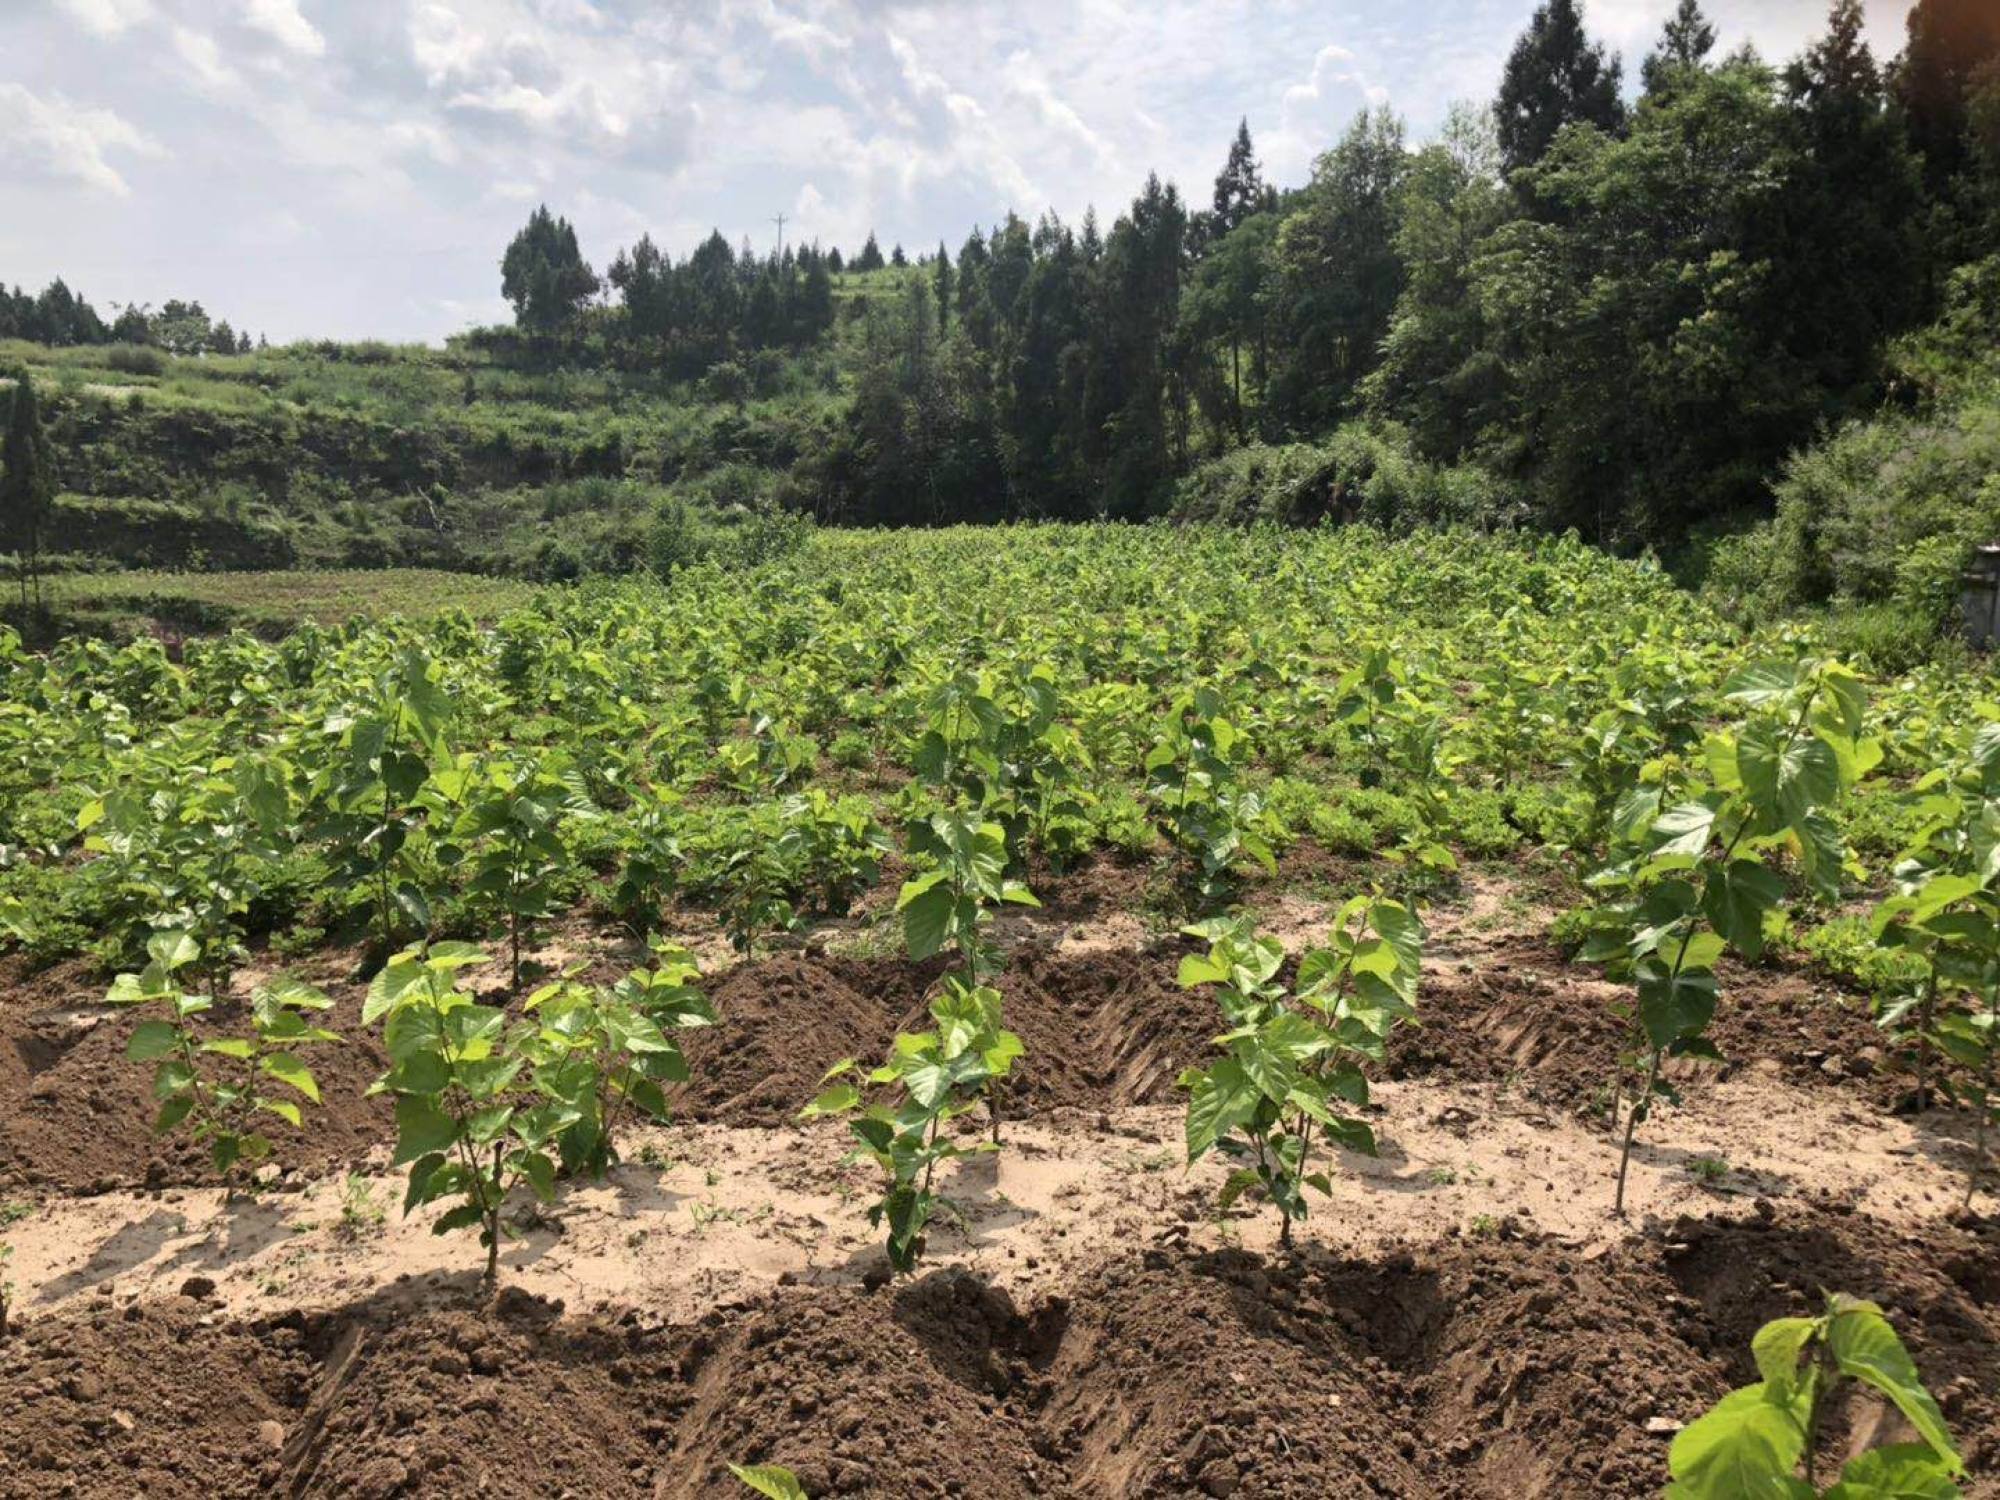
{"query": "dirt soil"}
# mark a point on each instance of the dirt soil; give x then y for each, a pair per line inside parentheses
(1500, 1366)
(1462, 1318)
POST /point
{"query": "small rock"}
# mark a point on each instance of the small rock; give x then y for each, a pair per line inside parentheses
(271, 1435)
(1219, 1478)
(1661, 1426)
(123, 1420)
(198, 1287)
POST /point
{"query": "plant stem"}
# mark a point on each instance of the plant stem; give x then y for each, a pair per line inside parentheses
(1985, 1094)
(493, 1220)
(1632, 1129)
(1924, 1037)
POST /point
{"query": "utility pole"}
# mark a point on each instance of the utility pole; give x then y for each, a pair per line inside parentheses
(779, 220)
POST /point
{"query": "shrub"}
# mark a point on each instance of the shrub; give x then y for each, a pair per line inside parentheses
(133, 359)
(673, 540)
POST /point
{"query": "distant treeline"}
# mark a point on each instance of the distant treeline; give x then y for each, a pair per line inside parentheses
(62, 319)
(681, 317)
(1566, 310)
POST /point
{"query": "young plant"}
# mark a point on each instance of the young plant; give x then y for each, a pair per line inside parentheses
(384, 750)
(949, 907)
(649, 843)
(216, 1084)
(1946, 912)
(931, 1078)
(1192, 777)
(1689, 870)
(512, 819)
(1755, 1439)
(610, 1053)
(1293, 1059)
(470, 1122)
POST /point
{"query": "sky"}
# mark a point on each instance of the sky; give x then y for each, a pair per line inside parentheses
(354, 168)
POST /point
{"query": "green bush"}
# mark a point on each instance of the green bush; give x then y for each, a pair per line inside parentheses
(1884, 513)
(673, 540)
(1366, 471)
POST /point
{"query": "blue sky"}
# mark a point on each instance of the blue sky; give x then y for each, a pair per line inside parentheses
(354, 168)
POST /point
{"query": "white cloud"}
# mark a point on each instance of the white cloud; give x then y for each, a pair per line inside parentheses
(1026, 78)
(1312, 114)
(211, 74)
(107, 18)
(68, 141)
(281, 21)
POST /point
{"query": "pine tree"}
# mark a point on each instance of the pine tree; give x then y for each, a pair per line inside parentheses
(941, 287)
(1860, 268)
(1954, 47)
(870, 258)
(1684, 45)
(1239, 189)
(1555, 76)
(27, 488)
(545, 275)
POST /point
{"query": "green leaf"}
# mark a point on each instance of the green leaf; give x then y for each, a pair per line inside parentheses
(1786, 779)
(1684, 829)
(1672, 1005)
(421, 1128)
(773, 1481)
(1901, 1471)
(927, 919)
(151, 1039)
(172, 1112)
(1735, 899)
(1865, 1347)
(541, 1174)
(172, 949)
(1777, 1348)
(1745, 1448)
(1223, 1099)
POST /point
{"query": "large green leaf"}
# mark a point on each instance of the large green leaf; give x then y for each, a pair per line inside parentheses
(1746, 1447)
(1901, 1471)
(1672, 1006)
(421, 1128)
(1865, 1347)
(1735, 900)
(1223, 1099)
(151, 1039)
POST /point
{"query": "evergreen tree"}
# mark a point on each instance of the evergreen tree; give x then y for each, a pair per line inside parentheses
(870, 258)
(1855, 267)
(834, 263)
(1438, 375)
(1239, 188)
(898, 259)
(1555, 76)
(1336, 274)
(1684, 45)
(27, 487)
(941, 287)
(545, 275)
(1952, 45)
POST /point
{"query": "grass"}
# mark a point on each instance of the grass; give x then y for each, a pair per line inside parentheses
(284, 599)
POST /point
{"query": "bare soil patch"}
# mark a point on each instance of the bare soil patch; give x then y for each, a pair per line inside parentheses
(1493, 1367)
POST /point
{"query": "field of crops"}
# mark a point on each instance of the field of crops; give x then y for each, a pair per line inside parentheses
(1031, 1011)
(274, 602)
